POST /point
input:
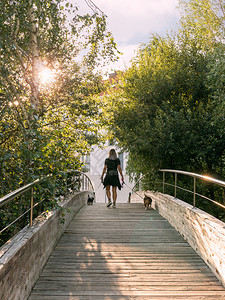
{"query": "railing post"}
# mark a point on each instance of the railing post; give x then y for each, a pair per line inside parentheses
(175, 186)
(82, 182)
(31, 206)
(163, 182)
(66, 186)
(53, 193)
(129, 197)
(194, 192)
(79, 182)
(73, 183)
(88, 185)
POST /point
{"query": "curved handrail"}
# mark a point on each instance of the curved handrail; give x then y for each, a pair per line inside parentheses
(84, 174)
(20, 191)
(191, 174)
(194, 176)
(137, 182)
(204, 177)
(7, 198)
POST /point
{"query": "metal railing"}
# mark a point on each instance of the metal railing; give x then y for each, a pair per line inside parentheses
(136, 184)
(176, 187)
(75, 181)
(194, 192)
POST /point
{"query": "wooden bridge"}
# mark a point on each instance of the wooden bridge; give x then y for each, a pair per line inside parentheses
(124, 253)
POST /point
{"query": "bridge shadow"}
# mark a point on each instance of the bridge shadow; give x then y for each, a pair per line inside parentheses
(96, 275)
(127, 253)
(80, 267)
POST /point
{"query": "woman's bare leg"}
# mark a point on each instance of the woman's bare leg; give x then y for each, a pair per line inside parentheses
(114, 192)
(108, 195)
(108, 192)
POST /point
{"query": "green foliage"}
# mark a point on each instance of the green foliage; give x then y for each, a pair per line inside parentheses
(45, 126)
(164, 97)
(169, 109)
(203, 21)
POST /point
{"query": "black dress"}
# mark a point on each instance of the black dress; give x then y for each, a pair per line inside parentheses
(112, 177)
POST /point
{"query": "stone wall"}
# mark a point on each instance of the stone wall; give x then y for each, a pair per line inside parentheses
(204, 233)
(24, 256)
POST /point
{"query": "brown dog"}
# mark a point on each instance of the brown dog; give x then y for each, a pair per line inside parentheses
(147, 202)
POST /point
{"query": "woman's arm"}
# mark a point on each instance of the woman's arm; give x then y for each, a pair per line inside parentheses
(121, 173)
(103, 172)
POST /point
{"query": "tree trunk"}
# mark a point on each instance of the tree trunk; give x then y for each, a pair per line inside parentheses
(34, 55)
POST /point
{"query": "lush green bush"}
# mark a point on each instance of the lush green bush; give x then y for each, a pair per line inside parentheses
(49, 116)
(169, 109)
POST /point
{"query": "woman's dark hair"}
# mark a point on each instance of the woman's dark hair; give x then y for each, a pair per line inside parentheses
(112, 154)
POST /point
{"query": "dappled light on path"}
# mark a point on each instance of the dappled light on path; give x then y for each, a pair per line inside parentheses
(124, 253)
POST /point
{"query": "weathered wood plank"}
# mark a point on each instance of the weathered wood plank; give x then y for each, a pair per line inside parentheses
(116, 291)
(113, 297)
(43, 287)
(124, 253)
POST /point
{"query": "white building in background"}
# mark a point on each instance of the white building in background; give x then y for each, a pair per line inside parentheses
(94, 164)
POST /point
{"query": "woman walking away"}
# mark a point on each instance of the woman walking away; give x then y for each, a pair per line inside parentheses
(111, 167)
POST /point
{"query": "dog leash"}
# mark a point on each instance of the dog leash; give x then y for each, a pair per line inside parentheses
(132, 190)
(123, 183)
(99, 184)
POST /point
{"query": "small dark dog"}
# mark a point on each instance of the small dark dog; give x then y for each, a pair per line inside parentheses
(90, 200)
(147, 202)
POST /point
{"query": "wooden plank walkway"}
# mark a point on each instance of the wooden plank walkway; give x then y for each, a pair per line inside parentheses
(124, 253)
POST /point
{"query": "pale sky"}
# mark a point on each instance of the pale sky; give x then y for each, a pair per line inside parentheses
(132, 23)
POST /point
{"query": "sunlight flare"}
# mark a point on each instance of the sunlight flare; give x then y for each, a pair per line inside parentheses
(47, 75)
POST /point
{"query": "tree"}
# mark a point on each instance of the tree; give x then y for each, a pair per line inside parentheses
(38, 36)
(48, 122)
(165, 116)
(203, 21)
(169, 111)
